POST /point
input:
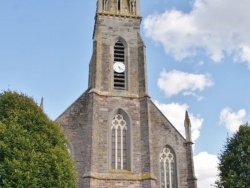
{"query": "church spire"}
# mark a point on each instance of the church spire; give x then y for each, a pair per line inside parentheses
(187, 125)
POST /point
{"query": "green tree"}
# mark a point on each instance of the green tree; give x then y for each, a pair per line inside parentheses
(33, 150)
(234, 166)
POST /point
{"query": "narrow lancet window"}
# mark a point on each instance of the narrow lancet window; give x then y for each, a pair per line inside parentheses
(132, 7)
(119, 5)
(168, 169)
(105, 5)
(118, 142)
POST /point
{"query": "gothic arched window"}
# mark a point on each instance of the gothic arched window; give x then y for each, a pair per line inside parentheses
(120, 141)
(168, 168)
(119, 79)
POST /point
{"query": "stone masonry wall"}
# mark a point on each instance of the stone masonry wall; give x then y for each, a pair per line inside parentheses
(76, 123)
(164, 133)
(86, 124)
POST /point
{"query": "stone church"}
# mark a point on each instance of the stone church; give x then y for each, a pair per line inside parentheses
(116, 135)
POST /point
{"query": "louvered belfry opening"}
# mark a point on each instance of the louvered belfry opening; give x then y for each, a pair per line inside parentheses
(119, 56)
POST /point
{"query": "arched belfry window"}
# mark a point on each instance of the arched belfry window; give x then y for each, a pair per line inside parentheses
(120, 141)
(168, 168)
(119, 76)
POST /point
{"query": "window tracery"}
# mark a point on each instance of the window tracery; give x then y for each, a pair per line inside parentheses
(118, 142)
(168, 169)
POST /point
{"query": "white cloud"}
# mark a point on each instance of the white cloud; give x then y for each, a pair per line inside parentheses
(232, 120)
(176, 114)
(175, 82)
(244, 55)
(217, 28)
(206, 169)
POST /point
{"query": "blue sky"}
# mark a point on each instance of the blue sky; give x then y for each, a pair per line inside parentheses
(198, 58)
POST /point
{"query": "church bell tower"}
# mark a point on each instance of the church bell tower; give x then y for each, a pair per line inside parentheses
(116, 135)
(118, 65)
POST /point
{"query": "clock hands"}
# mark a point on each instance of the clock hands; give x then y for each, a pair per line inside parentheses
(119, 67)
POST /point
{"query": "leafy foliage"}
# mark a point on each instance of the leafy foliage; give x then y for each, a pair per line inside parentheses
(234, 167)
(33, 149)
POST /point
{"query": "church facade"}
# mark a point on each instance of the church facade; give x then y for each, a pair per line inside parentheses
(116, 135)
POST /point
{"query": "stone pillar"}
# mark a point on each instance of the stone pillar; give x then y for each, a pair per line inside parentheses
(191, 179)
(138, 7)
(187, 125)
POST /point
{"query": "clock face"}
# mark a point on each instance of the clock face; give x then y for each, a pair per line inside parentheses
(119, 67)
